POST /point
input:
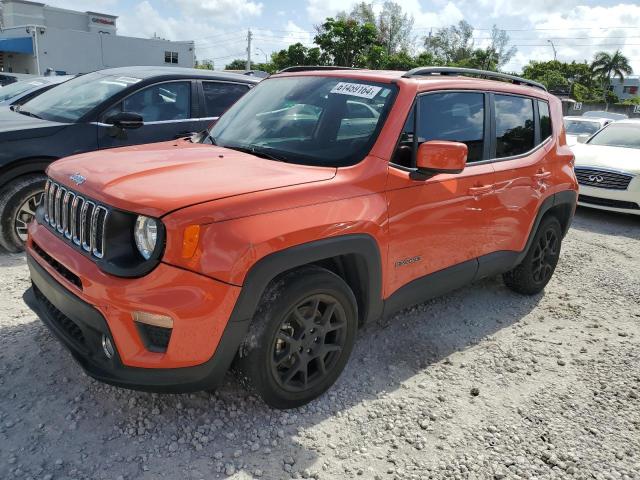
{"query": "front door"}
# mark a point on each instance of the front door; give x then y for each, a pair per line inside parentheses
(446, 219)
(166, 109)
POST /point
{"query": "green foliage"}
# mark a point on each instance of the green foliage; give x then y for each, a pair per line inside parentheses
(631, 101)
(345, 42)
(204, 64)
(296, 54)
(238, 64)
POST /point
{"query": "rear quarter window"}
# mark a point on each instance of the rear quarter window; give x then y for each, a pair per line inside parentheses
(545, 120)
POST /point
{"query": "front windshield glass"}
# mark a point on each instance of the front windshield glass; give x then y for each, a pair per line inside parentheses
(15, 89)
(580, 127)
(618, 135)
(324, 121)
(70, 100)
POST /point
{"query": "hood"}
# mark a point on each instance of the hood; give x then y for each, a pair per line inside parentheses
(159, 178)
(16, 126)
(615, 158)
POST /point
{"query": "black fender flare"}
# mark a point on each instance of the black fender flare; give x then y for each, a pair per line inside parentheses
(22, 167)
(362, 246)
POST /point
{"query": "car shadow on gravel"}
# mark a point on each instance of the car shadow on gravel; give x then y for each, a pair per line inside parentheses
(607, 223)
(56, 420)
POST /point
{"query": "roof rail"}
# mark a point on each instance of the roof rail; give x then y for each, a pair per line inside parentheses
(311, 68)
(427, 71)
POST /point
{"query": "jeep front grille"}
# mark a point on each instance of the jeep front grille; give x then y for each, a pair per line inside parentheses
(75, 218)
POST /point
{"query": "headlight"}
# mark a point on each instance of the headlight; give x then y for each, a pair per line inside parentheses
(145, 233)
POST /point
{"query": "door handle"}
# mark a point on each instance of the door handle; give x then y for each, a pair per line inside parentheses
(542, 175)
(481, 189)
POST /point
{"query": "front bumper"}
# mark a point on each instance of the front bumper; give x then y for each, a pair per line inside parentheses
(622, 201)
(202, 345)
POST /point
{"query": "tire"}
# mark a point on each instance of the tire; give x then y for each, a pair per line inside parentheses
(295, 349)
(535, 271)
(18, 201)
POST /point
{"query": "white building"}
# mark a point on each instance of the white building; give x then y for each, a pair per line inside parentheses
(35, 37)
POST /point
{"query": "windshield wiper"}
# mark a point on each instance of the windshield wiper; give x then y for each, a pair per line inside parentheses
(258, 152)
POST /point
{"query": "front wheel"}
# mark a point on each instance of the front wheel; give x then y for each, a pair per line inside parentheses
(535, 271)
(18, 204)
(300, 338)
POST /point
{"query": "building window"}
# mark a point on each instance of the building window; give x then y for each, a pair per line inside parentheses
(630, 90)
(170, 57)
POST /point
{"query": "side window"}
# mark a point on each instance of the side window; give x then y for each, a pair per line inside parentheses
(457, 117)
(161, 102)
(218, 97)
(545, 120)
(514, 125)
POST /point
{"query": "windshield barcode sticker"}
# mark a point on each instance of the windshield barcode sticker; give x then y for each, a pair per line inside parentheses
(356, 90)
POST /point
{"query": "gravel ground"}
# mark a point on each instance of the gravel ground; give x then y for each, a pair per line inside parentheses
(481, 383)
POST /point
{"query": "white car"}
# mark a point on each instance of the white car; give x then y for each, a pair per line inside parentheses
(582, 126)
(608, 168)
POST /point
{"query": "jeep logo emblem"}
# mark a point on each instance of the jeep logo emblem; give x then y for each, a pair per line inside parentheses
(77, 179)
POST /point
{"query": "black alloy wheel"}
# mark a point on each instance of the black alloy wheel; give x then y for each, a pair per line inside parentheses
(308, 342)
(300, 337)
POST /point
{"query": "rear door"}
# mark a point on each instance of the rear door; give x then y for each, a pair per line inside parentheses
(443, 220)
(167, 109)
(520, 145)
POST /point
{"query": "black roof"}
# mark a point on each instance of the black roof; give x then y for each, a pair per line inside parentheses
(145, 72)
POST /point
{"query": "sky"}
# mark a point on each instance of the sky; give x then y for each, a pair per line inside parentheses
(219, 27)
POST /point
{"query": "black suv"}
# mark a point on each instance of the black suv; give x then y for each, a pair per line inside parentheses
(104, 109)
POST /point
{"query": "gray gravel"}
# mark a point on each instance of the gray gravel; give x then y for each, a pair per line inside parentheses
(482, 383)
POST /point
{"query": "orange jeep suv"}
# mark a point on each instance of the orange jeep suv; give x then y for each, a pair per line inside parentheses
(322, 200)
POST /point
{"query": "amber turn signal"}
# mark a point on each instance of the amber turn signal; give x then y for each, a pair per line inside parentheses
(190, 240)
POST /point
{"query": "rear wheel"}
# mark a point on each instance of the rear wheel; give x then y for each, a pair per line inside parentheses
(300, 338)
(535, 271)
(18, 204)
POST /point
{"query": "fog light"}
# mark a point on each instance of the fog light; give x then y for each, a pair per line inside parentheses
(107, 347)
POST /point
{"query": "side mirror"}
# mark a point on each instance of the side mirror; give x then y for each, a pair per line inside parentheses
(439, 156)
(128, 120)
(583, 137)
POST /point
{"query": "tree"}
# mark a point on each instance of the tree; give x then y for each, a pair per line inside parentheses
(394, 28)
(606, 66)
(345, 42)
(238, 64)
(296, 54)
(498, 53)
(452, 44)
(204, 64)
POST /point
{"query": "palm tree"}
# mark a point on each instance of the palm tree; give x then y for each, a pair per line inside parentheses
(606, 66)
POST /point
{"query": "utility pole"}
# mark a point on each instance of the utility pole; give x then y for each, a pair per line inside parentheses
(248, 66)
(555, 57)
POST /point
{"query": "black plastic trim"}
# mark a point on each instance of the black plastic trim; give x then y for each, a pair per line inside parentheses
(91, 358)
(362, 246)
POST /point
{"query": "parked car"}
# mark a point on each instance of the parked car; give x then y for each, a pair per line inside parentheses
(23, 91)
(581, 126)
(105, 109)
(272, 242)
(604, 114)
(7, 78)
(608, 168)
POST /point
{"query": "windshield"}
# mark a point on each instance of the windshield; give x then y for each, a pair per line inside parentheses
(15, 89)
(580, 127)
(322, 121)
(618, 135)
(70, 100)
